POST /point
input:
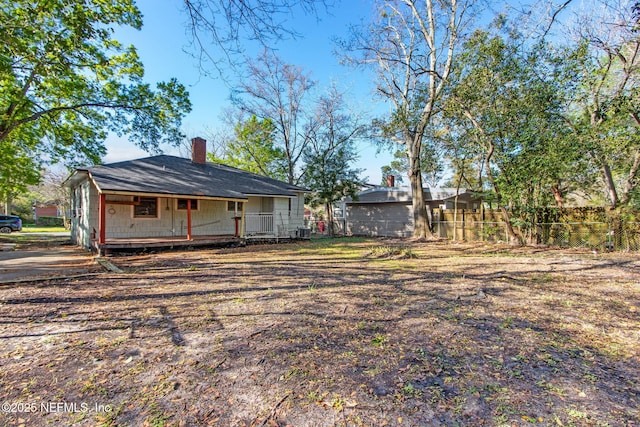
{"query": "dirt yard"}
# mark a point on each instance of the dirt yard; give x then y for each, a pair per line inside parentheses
(349, 332)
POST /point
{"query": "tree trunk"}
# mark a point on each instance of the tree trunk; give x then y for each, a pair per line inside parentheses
(514, 237)
(484, 140)
(557, 195)
(631, 181)
(421, 227)
(455, 209)
(610, 185)
(329, 210)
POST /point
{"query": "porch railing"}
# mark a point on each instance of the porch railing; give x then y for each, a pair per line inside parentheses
(258, 224)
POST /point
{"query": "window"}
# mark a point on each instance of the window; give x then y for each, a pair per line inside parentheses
(234, 206)
(146, 207)
(182, 204)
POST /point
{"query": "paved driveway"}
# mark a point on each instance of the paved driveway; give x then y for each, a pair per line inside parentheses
(51, 261)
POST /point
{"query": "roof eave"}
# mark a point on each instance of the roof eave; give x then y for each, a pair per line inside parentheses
(77, 176)
(171, 195)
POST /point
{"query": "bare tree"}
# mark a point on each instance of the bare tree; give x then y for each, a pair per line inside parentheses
(220, 29)
(217, 141)
(50, 190)
(412, 46)
(279, 91)
(333, 131)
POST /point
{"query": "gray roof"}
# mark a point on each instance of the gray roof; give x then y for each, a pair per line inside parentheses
(179, 176)
(403, 195)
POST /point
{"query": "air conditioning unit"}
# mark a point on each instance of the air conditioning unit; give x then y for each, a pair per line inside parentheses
(303, 233)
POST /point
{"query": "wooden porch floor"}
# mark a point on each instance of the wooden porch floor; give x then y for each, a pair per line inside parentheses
(165, 242)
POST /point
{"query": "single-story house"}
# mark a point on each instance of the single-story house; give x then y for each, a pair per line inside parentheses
(387, 211)
(48, 213)
(49, 209)
(165, 201)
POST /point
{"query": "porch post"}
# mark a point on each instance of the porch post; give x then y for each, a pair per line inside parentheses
(236, 219)
(243, 223)
(101, 219)
(189, 236)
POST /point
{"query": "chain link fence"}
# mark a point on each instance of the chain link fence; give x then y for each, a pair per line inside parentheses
(600, 236)
(321, 227)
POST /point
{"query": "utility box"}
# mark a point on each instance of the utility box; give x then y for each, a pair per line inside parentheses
(303, 233)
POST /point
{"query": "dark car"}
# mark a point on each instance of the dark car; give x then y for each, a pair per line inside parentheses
(9, 223)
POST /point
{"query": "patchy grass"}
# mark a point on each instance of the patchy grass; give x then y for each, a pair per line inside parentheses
(328, 333)
(27, 240)
(42, 229)
(391, 251)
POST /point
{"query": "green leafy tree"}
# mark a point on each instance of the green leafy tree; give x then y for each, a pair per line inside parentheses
(65, 82)
(254, 150)
(398, 167)
(280, 92)
(507, 102)
(18, 170)
(432, 164)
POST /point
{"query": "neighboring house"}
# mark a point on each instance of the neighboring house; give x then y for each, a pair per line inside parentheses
(46, 210)
(165, 201)
(387, 211)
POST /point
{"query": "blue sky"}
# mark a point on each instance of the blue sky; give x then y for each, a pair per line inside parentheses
(163, 45)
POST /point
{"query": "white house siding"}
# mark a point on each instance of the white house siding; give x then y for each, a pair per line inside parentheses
(83, 216)
(281, 216)
(211, 218)
(289, 214)
(254, 205)
(380, 219)
(297, 212)
(93, 209)
(80, 225)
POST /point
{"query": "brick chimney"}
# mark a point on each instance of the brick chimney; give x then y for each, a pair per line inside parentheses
(391, 181)
(199, 150)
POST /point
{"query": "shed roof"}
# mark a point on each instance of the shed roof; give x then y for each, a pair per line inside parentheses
(172, 175)
(403, 195)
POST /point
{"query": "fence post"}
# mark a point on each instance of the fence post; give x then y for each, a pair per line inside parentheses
(464, 235)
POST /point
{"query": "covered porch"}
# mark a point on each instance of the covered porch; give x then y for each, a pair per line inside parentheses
(160, 221)
(147, 220)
